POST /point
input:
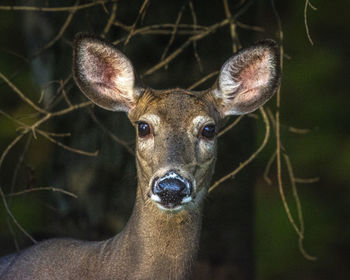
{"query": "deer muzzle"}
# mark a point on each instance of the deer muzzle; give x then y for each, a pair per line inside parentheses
(171, 191)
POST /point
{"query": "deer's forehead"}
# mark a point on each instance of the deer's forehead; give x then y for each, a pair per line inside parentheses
(175, 108)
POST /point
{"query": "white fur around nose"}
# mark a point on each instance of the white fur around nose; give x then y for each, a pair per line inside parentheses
(185, 200)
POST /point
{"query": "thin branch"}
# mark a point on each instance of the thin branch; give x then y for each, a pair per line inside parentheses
(179, 50)
(298, 130)
(9, 147)
(308, 4)
(77, 151)
(22, 96)
(139, 15)
(278, 135)
(110, 20)
(65, 96)
(299, 209)
(229, 127)
(203, 80)
(71, 108)
(13, 184)
(251, 158)
(13, 217)
(306, 180)
(173, 33)
(232, 26)
(53, 9)
(110, 134)
(299, 231)
(20, 162)
(60, 33)
(157, 27)
(53, 189)
(195, 23)
(268, 168)
(249, 27)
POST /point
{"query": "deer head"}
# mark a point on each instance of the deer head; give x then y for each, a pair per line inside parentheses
(176, 128)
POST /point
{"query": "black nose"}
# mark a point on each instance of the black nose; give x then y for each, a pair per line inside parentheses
(171, 189)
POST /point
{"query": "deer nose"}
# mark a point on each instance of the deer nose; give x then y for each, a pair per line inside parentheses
(171, 190)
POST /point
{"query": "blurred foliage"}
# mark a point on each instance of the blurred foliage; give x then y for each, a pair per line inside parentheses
(314, 96)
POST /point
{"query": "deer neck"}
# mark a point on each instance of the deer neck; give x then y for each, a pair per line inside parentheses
(159, 245)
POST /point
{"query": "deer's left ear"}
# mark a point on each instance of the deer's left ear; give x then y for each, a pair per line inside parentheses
(104, 74)
(248, 79)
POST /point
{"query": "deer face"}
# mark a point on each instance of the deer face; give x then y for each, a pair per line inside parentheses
(176, 145)
(176, 129)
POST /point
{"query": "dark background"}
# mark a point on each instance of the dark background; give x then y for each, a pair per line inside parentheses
(246, 233)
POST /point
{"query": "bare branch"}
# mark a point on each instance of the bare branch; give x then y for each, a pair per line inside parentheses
(13, 217)
(251, 158)
(110, 20)
(229, 127)
(299, 209)
(42, 189)
(308, 4)
(53, 9)
(110, 134)
(77, 151)
(179, 50)
(22, 96)
(204, 79)
(60, 33)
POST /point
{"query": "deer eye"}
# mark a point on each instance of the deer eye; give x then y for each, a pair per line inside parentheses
(208, 131)
(143, 129)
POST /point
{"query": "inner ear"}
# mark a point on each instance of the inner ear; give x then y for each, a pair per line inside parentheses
(248, 79)
(104, 74)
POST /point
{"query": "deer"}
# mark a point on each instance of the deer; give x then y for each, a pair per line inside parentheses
(176, 143)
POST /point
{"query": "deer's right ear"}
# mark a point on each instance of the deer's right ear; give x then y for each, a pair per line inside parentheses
(248, 79)
(104, 74)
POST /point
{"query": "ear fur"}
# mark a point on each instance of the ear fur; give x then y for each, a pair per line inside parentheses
(104, 74)
(248, 79)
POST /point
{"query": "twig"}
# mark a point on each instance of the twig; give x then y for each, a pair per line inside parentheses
(60, 33)
(306, 180)
(13, 217)
(64, 94)
(195, 23)
(232, 26)
(229, 127)
(9, 147)
(14, 179)
(71, 108)
(278, 135)
(249, 27)
(298, 130)
(110, 134)
(22, 96)
(173, 33)
(179, 50)
(204, 79)
(77, 151)
(42, 189)
(299, 209)
(110, 20)
(20, 162)
(139, 15)
(251, 158)
(53, 9)
(268, 168)
(308, 4)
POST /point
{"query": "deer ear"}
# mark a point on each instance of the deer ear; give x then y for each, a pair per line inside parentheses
(104, 74)
(248, 79)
